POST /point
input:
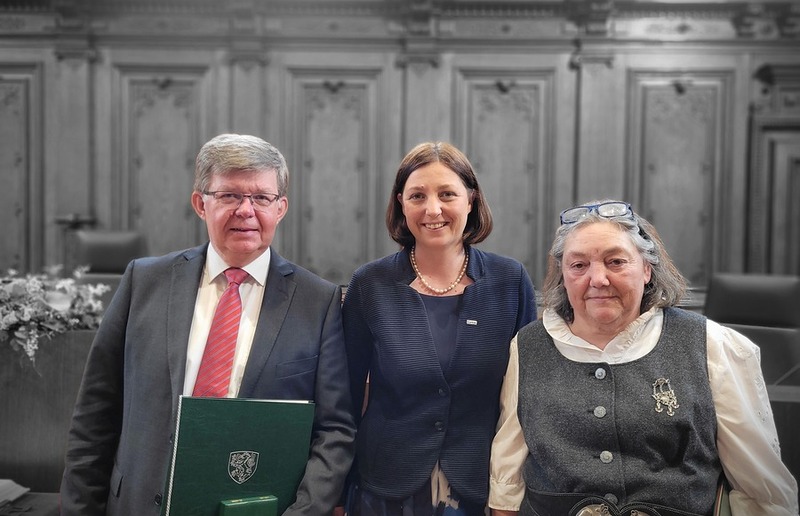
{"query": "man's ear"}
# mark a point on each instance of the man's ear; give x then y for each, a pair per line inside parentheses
(199, 204)
(283, 207)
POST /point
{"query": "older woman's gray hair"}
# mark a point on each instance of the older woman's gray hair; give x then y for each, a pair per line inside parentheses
(666, 287)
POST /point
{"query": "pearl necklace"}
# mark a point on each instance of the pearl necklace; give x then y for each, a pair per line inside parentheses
(439, 291)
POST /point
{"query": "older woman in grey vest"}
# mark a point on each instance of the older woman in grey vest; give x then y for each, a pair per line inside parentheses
(617, 402)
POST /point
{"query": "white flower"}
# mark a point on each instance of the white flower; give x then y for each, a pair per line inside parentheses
(56, 300)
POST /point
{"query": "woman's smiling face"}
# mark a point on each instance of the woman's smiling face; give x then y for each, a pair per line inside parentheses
(436, 205)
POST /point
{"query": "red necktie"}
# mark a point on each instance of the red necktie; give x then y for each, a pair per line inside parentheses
(215, 369)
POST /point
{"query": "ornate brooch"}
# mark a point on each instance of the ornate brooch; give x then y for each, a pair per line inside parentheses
(664, 396)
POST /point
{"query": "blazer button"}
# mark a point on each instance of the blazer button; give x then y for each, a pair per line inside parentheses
(439, 426)
(600, 373)
(157, 499)
(442, 392)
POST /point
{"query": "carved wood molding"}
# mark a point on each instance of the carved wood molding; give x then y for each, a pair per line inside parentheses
(387, 20)
(780, 90)
(71, 15)
(419, 53)
(75, 49)
(591, 16)
(581, 57)
(759, 21)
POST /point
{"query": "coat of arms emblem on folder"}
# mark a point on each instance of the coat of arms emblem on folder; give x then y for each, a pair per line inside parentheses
(242, 465)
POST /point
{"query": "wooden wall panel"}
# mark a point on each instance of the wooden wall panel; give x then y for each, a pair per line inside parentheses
(786, 208)
(247, 95)
(600, 112)
(428, 87)
(334, 171)
(677, 175)
(774, 236)
(162, 110)
(774, 169)
(505, 128)
(69, 113)
(20, 163)
(128, 93)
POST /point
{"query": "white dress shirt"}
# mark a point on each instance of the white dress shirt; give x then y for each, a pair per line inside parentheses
(746, 436)
(212, 285)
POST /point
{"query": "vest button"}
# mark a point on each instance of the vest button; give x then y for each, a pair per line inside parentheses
(439, 426)
(442, 392)
(611, 498)
(599, 411)
(157, 499)
(606, 457)
(600, 373)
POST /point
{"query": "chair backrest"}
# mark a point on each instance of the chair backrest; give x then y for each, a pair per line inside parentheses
(766, 309)
(780, 351)
(754, 299)
(108, 251)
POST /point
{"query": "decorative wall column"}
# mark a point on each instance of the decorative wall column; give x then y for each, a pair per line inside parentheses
(70, 175)
(597, 171)
(427, 103)
(247, 59)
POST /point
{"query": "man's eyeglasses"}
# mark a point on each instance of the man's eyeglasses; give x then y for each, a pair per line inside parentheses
(260, 201)
(605, 209)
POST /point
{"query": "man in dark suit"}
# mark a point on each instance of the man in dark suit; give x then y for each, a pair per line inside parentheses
(151, 343)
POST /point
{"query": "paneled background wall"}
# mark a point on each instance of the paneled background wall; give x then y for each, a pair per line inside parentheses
(689, 110)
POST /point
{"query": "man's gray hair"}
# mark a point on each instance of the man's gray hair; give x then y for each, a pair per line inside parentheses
(230, 153)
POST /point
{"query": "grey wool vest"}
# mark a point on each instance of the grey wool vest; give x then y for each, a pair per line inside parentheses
(643, 431)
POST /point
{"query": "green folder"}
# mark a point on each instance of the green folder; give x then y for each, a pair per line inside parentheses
(228, 449)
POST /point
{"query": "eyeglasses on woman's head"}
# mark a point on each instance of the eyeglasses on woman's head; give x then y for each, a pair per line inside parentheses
(608, 210)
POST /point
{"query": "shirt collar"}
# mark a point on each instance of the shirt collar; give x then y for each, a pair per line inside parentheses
(257, 269)
(634, 341)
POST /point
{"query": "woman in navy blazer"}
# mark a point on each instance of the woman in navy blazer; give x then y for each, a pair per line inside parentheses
(430, 327)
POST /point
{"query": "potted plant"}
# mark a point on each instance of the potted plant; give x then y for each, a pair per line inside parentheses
(39, 306)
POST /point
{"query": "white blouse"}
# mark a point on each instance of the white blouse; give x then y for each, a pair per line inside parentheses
(746, 436)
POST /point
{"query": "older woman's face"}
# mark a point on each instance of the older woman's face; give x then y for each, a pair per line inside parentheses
(604, 275)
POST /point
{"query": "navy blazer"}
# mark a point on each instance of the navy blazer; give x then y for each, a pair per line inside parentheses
(419, 413)
(119, 441)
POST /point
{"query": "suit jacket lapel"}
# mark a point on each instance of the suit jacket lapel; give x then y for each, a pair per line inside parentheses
(184, 281)
(278, 294)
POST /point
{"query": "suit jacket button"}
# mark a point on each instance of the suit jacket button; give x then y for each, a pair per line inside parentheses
(439, 426)
(157, 499)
